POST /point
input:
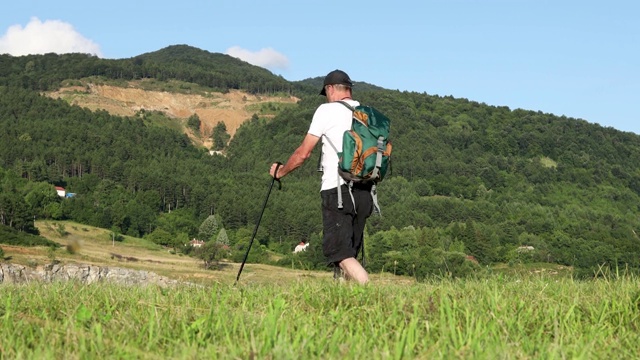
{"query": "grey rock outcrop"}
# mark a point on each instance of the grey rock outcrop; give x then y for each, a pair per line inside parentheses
(86, 274)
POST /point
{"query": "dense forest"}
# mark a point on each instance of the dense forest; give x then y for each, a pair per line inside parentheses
(470, 184)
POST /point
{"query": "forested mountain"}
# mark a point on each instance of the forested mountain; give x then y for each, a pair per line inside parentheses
(179, 62)
(467, 179)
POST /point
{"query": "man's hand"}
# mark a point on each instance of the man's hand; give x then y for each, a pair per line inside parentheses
(275, 167)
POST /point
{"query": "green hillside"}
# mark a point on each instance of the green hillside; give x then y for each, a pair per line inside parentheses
(178, 62)
(467, 179)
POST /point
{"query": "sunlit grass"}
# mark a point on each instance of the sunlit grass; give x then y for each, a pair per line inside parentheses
(501, 317)
(529, 311)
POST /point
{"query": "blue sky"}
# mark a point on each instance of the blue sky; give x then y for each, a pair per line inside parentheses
(580, 59)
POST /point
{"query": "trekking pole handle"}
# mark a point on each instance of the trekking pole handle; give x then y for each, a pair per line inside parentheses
(275, 172)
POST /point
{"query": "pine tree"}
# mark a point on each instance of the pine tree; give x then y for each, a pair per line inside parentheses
(209, 228)
(222, 237)
(220, 136)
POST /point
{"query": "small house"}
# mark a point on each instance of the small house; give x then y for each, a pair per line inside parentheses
(60, 190)
(525, 248)
(196, 243)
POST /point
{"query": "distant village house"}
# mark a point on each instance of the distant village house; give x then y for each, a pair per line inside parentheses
(63, 193)
(196, 243)
(525, 248)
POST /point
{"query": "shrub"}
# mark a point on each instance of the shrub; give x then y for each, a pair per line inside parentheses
(12, 236)
(211, 254)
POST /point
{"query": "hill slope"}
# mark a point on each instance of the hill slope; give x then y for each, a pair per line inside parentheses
(233, 107)
(94, 246)
(467, 179)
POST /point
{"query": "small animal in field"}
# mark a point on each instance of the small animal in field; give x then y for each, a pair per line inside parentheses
(301, 247)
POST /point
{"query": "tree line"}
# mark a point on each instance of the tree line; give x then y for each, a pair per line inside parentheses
(178, 62)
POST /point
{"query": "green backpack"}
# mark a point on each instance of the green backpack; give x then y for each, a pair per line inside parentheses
(366, 150)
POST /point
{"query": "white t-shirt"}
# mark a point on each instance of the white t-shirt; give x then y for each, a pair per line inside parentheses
(331, 120)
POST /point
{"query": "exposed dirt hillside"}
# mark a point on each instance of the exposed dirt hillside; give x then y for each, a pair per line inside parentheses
(232, 108)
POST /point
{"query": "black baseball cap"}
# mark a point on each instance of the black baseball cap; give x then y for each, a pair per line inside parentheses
(336, 77)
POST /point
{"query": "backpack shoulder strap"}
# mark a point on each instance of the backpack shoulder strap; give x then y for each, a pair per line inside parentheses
(347, 105)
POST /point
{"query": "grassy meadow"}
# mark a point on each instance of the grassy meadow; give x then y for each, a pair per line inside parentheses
(276, 313)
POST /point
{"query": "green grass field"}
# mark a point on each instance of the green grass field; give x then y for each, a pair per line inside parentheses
(496, 318)
(276, 313)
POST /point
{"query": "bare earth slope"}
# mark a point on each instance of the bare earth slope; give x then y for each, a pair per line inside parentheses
(232, 108)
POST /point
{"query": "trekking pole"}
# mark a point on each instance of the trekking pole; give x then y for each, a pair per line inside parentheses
(255, 230)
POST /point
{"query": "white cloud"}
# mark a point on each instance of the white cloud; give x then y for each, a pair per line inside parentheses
(50, 36)
(266, 58)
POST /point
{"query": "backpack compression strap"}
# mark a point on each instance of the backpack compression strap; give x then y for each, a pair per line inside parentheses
(340, 203)
(376, 170)
(374, 197)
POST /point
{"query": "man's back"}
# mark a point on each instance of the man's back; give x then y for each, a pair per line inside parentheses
(331, 120)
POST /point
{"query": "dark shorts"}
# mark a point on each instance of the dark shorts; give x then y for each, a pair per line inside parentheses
(343, 228)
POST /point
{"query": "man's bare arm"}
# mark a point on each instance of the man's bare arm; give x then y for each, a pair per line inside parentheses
(298, 157)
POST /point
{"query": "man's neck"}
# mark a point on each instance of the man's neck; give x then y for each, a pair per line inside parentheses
(340, 97)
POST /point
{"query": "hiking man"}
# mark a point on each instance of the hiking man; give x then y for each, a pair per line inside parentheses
(343, 229)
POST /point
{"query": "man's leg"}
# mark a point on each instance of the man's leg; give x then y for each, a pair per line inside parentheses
(352, 268)
(354, 271)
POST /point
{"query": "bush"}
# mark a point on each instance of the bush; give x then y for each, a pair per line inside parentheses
(161, 237)
(445, 264)
(73, 247)
(211, 254)
(11, 236)
(61, 230)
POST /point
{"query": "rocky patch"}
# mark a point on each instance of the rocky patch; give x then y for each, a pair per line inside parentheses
(83, 273)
